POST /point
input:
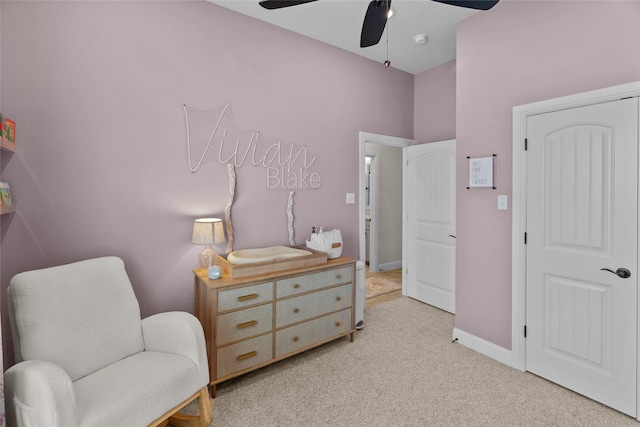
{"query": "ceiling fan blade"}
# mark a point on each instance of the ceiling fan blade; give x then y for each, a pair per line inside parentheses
(471, 4)
(278, 4)
(374, 22)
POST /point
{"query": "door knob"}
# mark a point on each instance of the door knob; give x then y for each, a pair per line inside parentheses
(451, 235)
(621, 272)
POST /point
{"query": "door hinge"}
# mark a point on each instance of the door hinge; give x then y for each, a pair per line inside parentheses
(525, 331)
(526, 144)
(525, 238)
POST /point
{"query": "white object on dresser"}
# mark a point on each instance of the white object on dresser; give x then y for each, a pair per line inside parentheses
(326, 241)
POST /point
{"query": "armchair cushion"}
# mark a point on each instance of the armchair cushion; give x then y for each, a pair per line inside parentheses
(103, 327)
(136, 390)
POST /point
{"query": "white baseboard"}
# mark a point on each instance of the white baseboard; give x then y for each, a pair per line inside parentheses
(390, 265)
(483, 346)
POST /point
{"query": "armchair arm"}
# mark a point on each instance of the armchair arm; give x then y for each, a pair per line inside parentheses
(177, 332)
(39, 393)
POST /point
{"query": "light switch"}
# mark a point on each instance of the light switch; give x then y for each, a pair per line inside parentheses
(502, 202)
(351, 198)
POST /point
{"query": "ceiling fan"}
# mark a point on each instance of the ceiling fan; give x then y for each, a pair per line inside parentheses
(376, 17)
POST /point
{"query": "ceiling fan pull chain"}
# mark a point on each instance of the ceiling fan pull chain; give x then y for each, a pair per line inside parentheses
(387, 63)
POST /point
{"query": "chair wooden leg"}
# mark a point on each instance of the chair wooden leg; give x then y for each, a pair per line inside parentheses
(204, 417)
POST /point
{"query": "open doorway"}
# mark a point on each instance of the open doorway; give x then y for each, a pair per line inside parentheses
(374, 205)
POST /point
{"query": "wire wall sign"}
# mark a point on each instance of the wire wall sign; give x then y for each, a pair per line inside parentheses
(287, 166)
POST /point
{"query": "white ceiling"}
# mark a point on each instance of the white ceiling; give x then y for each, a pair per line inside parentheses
(339, 23)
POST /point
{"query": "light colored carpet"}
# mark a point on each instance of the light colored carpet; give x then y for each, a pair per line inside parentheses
(401, 370)
(375, 286)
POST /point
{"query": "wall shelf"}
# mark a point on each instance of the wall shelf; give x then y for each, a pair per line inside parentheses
(7, 209)
(6, 145)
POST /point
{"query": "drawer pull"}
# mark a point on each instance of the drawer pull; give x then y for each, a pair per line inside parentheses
(338, 298)
(295, 339)
(338, 276)
(337, 324)
(246, 356)
(247, 297)
(296, 286)
(296, 310)
(247, 324)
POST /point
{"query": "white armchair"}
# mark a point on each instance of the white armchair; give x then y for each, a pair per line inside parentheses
(84, 357)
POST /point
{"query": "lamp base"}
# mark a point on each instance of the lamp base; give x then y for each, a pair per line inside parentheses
(207, 257)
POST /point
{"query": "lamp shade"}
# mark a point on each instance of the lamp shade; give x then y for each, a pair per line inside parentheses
(207, 231)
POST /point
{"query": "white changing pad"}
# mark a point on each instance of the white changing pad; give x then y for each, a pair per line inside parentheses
(246, 256)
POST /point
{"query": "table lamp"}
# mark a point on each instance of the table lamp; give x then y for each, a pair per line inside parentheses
(207, 231)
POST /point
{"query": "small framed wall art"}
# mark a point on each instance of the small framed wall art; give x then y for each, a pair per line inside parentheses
(481, 172)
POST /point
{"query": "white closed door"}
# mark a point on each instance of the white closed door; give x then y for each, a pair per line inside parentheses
(582, 216)
(430, 228)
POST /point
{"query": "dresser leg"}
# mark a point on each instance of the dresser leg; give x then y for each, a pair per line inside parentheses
(351, 337)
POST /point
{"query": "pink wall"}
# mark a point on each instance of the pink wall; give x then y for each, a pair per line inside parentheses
(517, 53)
(434, 100)
(97, 88)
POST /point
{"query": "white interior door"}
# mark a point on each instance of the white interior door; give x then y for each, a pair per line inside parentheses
(430, 215)
(582, 216)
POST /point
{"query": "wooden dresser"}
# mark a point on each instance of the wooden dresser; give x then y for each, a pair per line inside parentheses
(251, 322)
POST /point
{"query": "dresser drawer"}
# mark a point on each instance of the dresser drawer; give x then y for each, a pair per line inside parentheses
(240, 324)
(309, 282)
(305, 334)
(304, 307)
(244, 355)
(246, 296)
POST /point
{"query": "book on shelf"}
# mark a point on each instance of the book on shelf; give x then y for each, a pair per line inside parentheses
(5, 195)
(8, 134)
(10, 130)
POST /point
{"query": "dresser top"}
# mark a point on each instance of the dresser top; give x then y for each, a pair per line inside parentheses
(226, 280)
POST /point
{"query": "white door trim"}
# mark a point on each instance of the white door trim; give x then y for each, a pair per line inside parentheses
(519, 197)
(365, 137)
